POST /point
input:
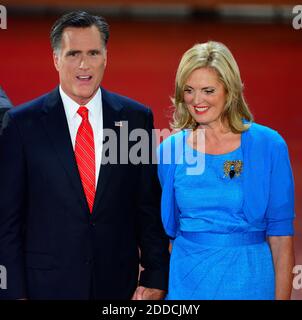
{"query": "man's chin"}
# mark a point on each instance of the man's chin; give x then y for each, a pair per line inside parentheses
(84, 97)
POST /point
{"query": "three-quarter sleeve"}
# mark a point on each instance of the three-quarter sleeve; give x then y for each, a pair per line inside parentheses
(280, 211)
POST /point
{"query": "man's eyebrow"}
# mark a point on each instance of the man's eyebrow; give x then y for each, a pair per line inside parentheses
(94, 51)
(71, 52)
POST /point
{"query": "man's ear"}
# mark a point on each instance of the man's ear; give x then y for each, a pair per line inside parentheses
(105, 57)
(55, 60)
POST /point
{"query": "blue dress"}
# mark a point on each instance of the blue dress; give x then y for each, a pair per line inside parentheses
(210, 259)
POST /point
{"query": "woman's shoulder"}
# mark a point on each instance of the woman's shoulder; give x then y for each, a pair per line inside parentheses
(265, 134)
(172, 139)
(171, 148)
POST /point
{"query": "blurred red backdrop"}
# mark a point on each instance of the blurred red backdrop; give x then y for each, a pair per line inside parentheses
(144, 55)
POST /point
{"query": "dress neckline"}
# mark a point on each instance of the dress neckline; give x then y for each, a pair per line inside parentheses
(211, 154)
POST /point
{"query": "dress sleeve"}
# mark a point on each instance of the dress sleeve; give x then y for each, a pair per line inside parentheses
(280, 211)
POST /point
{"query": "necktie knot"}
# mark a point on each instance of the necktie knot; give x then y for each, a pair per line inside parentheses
(83, 112)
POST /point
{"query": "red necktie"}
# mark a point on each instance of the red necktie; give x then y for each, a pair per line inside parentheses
(85, 156)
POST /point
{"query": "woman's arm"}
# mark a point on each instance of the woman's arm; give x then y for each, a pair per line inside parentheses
(283, 255)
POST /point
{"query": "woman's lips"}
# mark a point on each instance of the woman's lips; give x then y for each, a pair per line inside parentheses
(200, 109)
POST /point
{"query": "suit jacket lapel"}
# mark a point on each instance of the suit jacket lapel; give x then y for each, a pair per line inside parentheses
(111, 115)
(55, 123)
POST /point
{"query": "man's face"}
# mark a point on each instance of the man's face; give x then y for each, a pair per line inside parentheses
(81, 62)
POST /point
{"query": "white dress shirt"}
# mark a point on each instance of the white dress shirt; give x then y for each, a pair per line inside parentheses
(95, 116)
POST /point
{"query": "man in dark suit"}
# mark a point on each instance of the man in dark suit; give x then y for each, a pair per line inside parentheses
(5, 104)
(72, 227)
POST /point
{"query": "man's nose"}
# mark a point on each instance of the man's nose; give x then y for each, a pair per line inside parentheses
(83, 63)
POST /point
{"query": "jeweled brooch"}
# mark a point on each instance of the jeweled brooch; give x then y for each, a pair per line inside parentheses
(232, 168)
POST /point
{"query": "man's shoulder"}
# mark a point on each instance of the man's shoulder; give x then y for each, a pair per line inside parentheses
(125, 102)
(30, 107)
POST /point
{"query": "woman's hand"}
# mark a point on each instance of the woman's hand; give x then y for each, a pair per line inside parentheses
(284, 259)
(143, 293)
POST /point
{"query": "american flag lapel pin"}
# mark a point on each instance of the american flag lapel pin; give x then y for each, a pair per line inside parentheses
(118, 123)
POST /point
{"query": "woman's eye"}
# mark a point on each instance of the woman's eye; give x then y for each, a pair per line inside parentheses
(209, 91)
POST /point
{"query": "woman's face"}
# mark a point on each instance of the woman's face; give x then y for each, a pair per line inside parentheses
(205, 96)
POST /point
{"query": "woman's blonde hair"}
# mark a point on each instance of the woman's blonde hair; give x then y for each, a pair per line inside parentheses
(217, 56)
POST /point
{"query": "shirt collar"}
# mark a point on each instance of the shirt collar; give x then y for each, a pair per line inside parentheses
(71, 107)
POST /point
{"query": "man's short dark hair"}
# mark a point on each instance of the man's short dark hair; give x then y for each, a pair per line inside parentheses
(77, 19)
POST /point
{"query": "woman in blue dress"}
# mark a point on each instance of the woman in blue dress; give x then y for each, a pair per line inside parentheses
(228, 196)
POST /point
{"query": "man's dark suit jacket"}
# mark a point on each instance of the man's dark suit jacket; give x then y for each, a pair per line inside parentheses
(50, 244)
(5, 105)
